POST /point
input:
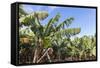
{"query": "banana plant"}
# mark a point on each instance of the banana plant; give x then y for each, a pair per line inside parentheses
(44, 35)
(84, 47)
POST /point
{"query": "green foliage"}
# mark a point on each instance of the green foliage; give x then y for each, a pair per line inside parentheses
(21, 11)
(56, 36)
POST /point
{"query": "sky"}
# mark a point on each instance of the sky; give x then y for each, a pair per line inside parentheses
(84, 18)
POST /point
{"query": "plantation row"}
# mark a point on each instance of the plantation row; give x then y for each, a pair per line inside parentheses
(53, 41)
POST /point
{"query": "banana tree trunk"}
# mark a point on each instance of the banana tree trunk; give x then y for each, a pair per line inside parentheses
(46, 53)
(48, 57)
(36, 50)
(59, 57)
(35, 56)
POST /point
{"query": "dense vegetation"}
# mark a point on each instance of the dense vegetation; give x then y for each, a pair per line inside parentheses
(53, 41)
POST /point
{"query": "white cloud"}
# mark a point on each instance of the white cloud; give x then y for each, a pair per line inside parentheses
(32, 8)
(28, 9)
(51, 8)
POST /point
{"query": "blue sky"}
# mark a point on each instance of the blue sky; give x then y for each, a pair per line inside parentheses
(85, 18)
